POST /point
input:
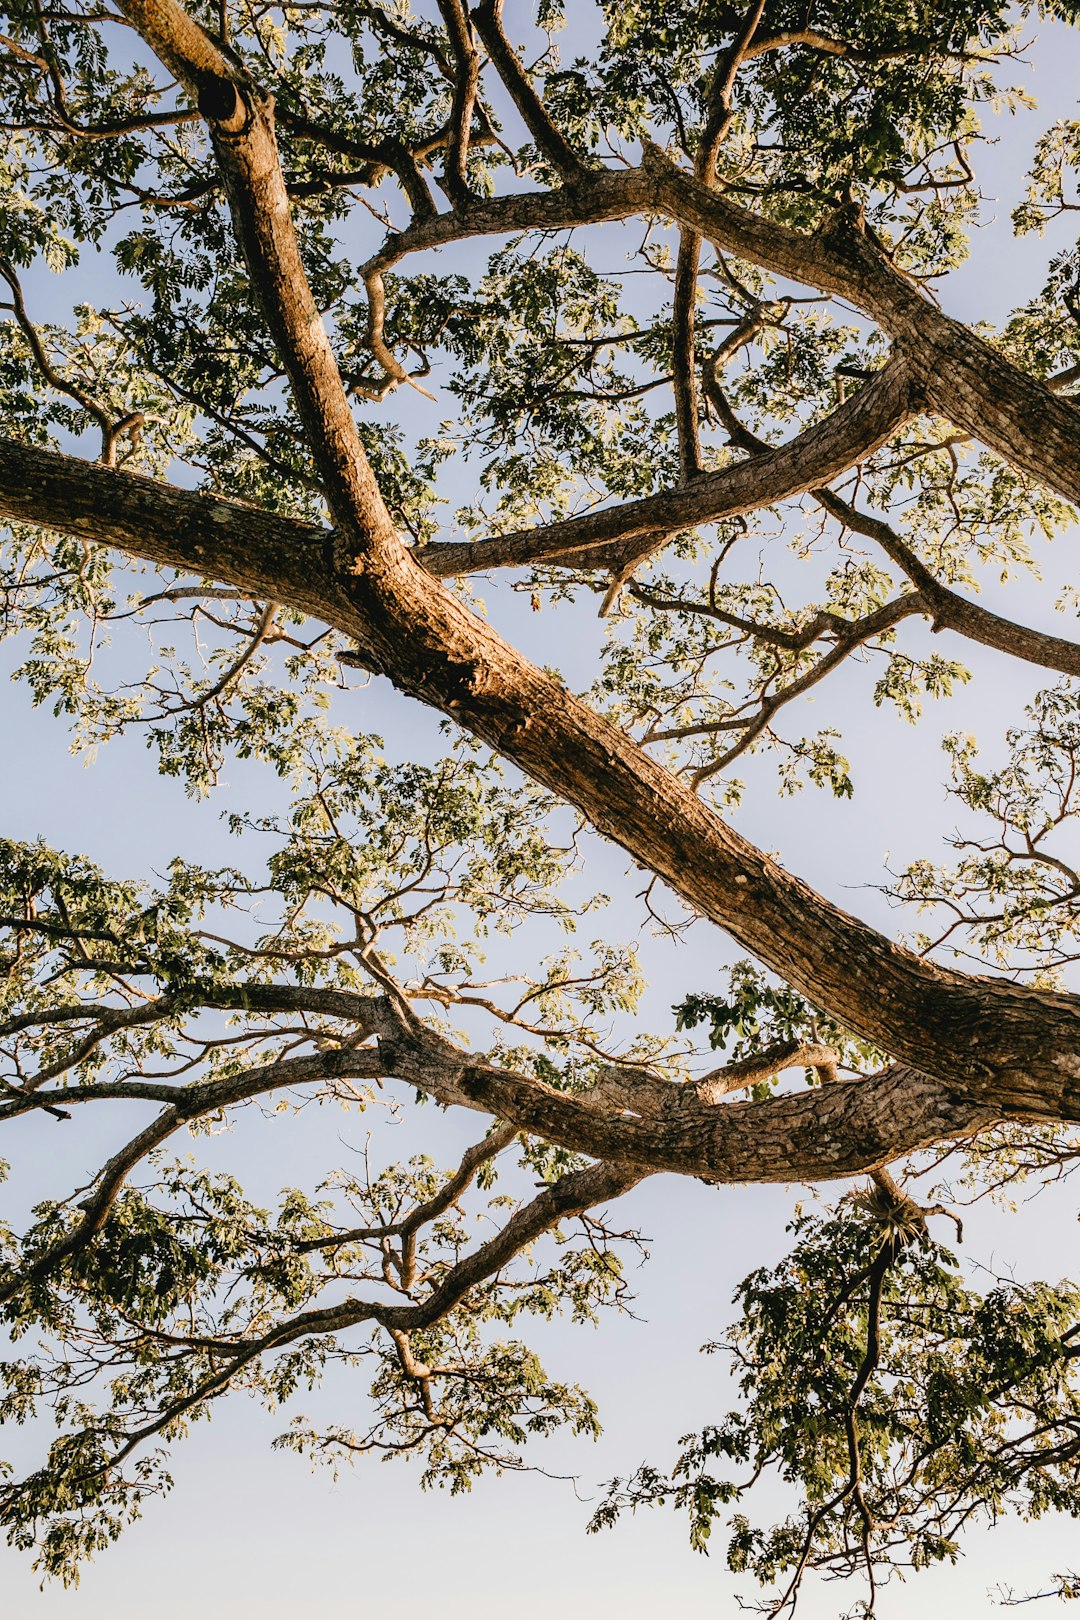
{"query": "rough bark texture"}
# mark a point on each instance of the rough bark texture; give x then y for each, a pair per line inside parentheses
(992, 1049)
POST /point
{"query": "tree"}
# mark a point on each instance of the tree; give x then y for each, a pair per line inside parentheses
(790, 183)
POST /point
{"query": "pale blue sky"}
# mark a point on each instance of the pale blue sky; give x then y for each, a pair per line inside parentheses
(247, 1532)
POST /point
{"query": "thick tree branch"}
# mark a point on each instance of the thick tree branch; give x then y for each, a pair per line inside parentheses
(435, 649)
(615, 536)
(624, 791)
(466, 86)
(946, 608)
(203, 533)
(967, 380)
(631, 1115)
(487, 20)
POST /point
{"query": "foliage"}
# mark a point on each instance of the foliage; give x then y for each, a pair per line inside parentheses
(423, 918)
(895, 1404)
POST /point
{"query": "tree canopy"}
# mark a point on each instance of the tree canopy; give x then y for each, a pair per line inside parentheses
(633, 315)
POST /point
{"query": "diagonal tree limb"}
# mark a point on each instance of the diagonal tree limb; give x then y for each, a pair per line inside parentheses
(631, 1114)
(433, 648)
(201, 531)
(616, 536)
(246, 547)
(947, 609)
(967, 379)
(487, 20)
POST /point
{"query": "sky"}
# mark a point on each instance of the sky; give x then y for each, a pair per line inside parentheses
(248, 1531)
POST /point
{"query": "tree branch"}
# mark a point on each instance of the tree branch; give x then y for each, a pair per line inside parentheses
(435, 649)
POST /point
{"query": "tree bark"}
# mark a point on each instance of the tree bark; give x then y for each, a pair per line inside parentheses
(1005, 1048)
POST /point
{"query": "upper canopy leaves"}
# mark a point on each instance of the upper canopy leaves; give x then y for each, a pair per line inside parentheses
(696, 376)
